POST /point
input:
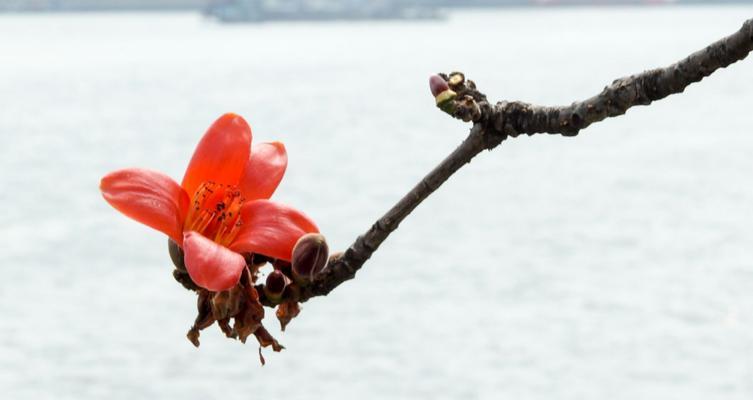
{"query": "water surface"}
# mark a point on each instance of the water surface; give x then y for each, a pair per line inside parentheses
(617, 264)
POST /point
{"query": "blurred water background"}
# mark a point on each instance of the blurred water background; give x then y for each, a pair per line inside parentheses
(617, 264)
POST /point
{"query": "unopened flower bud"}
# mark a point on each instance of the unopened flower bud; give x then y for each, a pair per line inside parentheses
(442, 93)
(275, 286)
(309, 257)
(437, 85)
(176, 254)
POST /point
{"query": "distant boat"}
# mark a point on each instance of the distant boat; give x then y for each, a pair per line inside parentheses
(315, 10)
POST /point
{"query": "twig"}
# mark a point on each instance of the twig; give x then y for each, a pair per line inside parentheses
(494, 123)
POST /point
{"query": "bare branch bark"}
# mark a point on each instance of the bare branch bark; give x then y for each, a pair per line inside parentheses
(494, 123)
(344, 267)
(514, 118)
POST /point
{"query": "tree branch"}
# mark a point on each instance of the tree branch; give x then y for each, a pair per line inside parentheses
(494, 123)
(514, 118)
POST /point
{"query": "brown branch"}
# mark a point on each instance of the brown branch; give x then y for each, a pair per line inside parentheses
(514, 118)
(494, 123)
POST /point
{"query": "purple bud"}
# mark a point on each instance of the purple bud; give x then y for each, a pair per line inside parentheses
(309, 257)
(276, 284)
(437, 84)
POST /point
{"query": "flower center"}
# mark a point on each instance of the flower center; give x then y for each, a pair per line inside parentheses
(215, 212)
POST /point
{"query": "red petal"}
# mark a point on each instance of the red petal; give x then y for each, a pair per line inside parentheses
(271, 229)
(150, 197)
(264, 170)
(221, 155)
(210, 265)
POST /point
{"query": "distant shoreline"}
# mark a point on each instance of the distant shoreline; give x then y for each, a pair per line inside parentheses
(61, 6)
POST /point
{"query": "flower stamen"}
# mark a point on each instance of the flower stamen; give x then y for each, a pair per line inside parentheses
(215, 212)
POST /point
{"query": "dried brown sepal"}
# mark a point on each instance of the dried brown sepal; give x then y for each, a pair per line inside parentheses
(241, 305)
(261, 358)
(226, 304)
(265, 339)
(193, 337)
(250, 316)
(250, 291)
(225, 327)
(286, 311)
(204, 318)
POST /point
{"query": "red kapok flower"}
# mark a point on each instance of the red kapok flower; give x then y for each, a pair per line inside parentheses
(221, 209)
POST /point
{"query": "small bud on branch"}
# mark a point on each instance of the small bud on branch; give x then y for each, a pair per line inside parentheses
(442, 93)
(309, 257)
(275, 285)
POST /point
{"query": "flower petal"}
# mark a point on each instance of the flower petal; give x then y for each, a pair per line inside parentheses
(150, 197)
(271, 229)
(210, 265)
(264, 170)
(221, 155)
